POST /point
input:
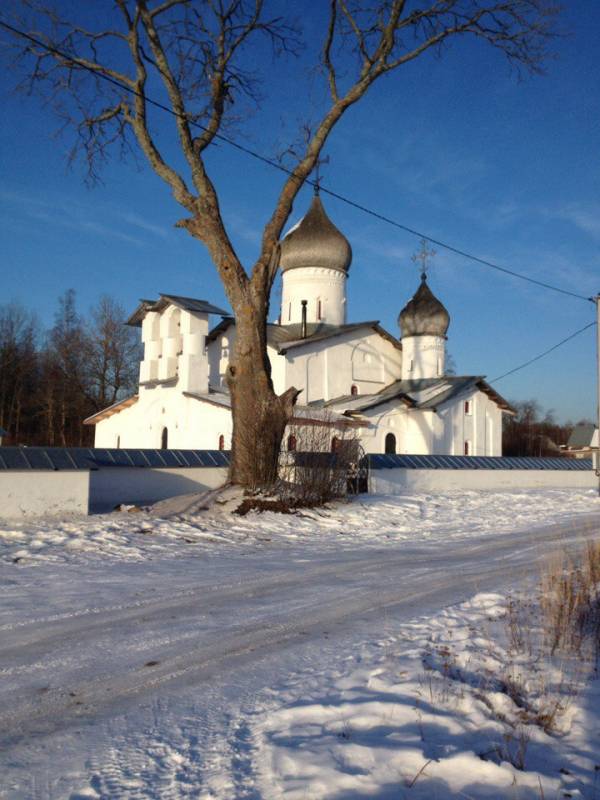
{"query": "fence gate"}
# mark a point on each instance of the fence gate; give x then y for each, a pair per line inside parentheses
(358, 473)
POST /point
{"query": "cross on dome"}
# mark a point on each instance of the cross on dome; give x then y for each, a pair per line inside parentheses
(422, 257)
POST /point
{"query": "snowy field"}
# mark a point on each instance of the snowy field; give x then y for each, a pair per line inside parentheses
(358, 651)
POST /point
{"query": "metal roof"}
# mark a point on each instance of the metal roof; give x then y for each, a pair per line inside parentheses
(284, 337)
(186, 303)
(91, 458)
(381, 461)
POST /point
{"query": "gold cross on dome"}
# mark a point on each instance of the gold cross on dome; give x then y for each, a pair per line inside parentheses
(319, 162)
(422, 257)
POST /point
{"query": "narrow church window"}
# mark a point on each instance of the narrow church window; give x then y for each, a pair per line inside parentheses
(467, 450)
(354, 389)
(390, 444)
(467, 406)
(164, 439)
(221, 442)
(289, 312)
(318, 309)
(118, 442)
(291, 443)
(335, 444)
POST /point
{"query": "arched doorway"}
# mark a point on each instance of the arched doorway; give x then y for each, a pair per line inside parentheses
(390, 444)
(164, 439)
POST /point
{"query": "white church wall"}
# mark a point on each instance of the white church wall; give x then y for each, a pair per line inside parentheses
(398, 481)
(423, 357)
(38, 493)
(336, 364)
(191, 423)
(218, 352)
(323, 289)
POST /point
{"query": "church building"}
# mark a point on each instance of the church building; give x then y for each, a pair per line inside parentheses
(393, 392)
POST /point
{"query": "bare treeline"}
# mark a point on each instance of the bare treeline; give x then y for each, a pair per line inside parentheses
(50, 381)
(533, 432)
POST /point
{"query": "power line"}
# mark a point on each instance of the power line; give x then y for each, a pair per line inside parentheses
(545, 353)
(270, 162)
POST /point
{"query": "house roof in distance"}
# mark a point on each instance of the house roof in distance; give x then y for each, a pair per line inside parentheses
(186, 303)
(582, 435)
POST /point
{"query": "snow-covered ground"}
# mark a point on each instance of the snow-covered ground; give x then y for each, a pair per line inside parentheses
(346, 653)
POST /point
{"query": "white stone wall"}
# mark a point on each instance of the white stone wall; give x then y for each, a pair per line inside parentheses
(323, 289)
(192, 424)
(39, 493)
(328, 369)
(174, 348)
(423, 357)
(398, 481)
(112, 486)
(423, 432)
(219, 352)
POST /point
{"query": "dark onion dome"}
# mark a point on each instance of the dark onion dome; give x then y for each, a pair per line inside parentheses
(423, 315)
(315, 242)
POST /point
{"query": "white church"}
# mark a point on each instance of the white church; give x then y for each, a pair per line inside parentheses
(393, 392)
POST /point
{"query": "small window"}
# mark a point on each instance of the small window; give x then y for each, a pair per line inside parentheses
(390, 444)
(354, 389)
(318, 309)
(467, 448)
(164, 439)
(289, 312)
(335, 444)
(467, 407)
(221, 442)
(118, 442)
(291, 443)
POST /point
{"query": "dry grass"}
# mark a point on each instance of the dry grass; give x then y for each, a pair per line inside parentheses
(570, 603)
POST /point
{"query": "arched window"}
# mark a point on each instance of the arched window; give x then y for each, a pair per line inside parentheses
(291, 442)
(319, 309)
(354, 389)
(335, 444)
(164, 439)
(390, 444)
(221, 442)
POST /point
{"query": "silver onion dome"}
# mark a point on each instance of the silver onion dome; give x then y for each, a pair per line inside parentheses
(315, 242)
(423, 315)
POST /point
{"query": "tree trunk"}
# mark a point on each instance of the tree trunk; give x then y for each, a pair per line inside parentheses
(259, 415)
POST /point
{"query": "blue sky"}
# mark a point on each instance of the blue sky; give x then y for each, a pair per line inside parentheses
(454, 146)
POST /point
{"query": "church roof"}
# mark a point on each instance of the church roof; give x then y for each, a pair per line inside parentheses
(423, 315)
(164, 300)
(315, 242)
(285, 337)
(425, 393)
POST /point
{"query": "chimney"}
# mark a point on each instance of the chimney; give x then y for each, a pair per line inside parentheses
(303, 328)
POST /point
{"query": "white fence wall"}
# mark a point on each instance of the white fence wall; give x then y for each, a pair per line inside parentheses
(36, 493)
(112, 486)
(41, 493)
(396, 481)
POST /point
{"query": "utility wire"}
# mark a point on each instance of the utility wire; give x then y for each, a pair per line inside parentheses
(545, 353)
(270, 162)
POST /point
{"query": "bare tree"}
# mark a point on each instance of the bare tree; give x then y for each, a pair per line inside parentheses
(18, 368)
(113, 354)
(102, 78)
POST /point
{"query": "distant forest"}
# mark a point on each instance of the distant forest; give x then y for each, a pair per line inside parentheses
(50, 381)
